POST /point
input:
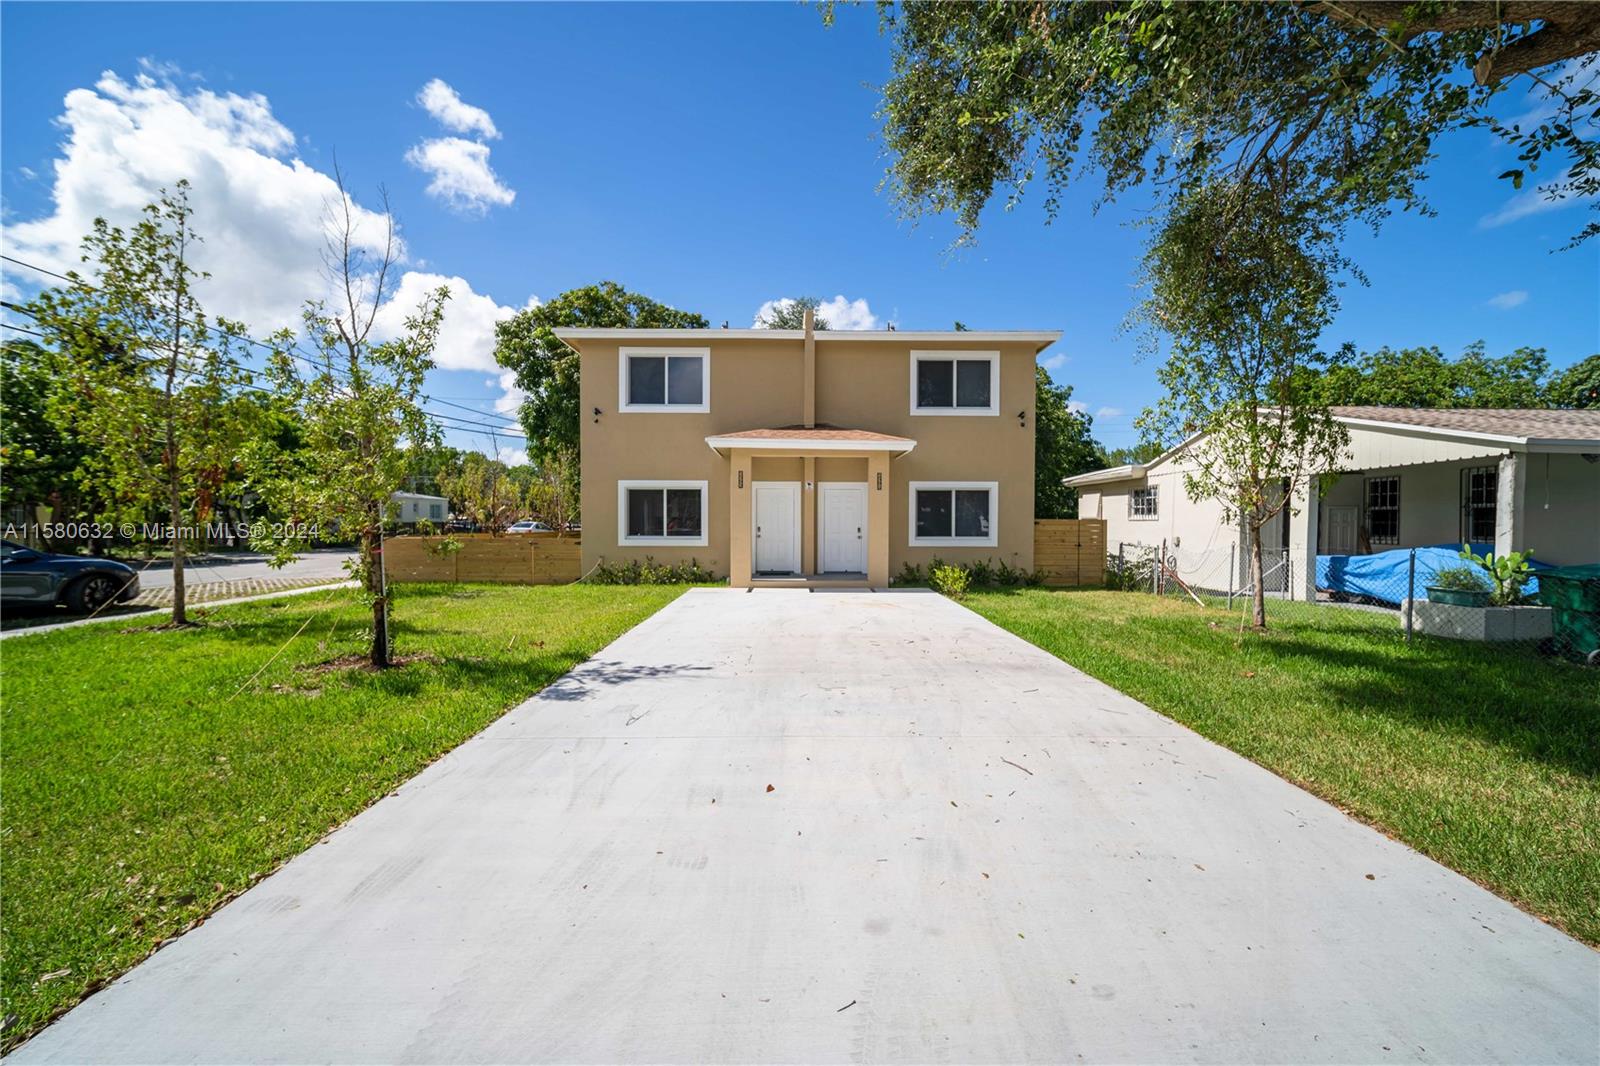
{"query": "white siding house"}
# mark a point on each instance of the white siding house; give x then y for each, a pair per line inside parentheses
(413, 507)
(1516, 479)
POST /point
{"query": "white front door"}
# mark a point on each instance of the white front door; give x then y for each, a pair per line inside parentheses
(842, 528)
(1341, 531)
(777, 527)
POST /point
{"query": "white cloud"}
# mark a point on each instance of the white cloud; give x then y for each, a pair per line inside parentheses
(512, 456)
(1077, 407)
(1108, 412)
(466, 337)
(839, 313)
(1505, 301)
(446, 105)
(510, 400)
(1055, 362)
(258, 207)
(1528, 202)
(460, 175)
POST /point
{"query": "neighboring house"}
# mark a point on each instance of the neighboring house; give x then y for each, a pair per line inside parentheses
(414, 507)
(785, 456)
(1514, 479)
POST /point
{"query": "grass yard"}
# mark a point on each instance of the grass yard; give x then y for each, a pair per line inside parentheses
(1487, 760)
(147, 779)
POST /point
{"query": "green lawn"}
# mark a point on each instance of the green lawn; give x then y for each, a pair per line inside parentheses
(142, 788)
(1487, 760)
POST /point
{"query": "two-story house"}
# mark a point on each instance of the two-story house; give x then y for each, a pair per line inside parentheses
(792, 457)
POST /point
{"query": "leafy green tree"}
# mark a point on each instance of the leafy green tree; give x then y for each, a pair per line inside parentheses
(39, 457)
(1576, 386)
(157, 406)
(552, 494)
(1425, 377)
(360, 403)
(1062, 447)
(1341, 101)
(791, 314)
(547, 370)
(1243, 306)
(483, 491)
(1135, 454)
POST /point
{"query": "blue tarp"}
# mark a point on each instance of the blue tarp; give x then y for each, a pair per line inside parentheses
(1383, 575)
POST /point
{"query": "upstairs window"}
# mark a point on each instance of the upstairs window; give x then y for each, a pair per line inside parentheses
(955, 383)
(1383, 510)
(954, 513)
(1145, 503)
(665, 379)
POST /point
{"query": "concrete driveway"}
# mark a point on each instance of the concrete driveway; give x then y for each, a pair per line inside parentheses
(808, 827)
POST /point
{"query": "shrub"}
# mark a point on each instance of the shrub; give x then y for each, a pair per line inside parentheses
(983, 574)
(650, 572)
(1460, 579)
(952, 581)
(1507, 572)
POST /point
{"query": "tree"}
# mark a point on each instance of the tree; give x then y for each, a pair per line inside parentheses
(1425, 377)
(1135, 454)
(553, 494)
(154, 382)
(1243, 306)
(547, 370)
(39, 457)
(791, 314)
(1062, 447)
(1576, 386)
(360, 403)
(483, 491)
(1342, 100)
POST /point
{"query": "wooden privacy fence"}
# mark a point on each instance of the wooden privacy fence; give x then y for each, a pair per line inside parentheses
(1070, 551)
(515, 559)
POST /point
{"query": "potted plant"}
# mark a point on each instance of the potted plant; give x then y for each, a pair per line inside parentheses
(1462, 586)
(1508, 573)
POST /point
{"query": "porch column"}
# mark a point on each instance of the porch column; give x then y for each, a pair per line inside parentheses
(808, 516)
(878, 489)
(1508, 504)
(739, 493)
(1303, 522)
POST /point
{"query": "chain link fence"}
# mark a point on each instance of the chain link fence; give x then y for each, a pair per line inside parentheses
(1417, 594)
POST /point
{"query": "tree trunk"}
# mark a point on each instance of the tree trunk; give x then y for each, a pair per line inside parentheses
(372, 556)
(1258, 593)
(180, 613)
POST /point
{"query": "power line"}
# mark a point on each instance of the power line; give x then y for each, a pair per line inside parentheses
(291, 350)
(22, 329)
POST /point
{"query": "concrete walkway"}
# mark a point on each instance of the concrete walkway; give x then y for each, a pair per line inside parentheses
(826, 827)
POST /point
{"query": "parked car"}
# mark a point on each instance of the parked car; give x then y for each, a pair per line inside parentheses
(79, 582)
(462, 525)
(528, 525)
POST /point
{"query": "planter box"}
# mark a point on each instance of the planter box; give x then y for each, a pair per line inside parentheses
(1478, 623)
(1459, 597)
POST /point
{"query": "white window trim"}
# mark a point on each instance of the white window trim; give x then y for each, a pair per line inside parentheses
(918, 355)
(625, 407)
(623, 540)
(1153, 516)
(992, 540)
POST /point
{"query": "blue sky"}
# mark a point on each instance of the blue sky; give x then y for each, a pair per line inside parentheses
(713, 157)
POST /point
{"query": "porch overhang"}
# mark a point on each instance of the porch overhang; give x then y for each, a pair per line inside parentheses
(811, 440)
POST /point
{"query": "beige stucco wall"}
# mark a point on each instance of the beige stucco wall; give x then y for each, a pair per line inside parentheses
(760, 384)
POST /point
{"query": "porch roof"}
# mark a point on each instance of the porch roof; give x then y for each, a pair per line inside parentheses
(811, 438)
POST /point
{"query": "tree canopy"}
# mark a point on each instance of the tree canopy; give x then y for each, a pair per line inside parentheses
(1062, 447)
(547, 370)
(791, 314)
(1425, 377)
(1334, 106)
